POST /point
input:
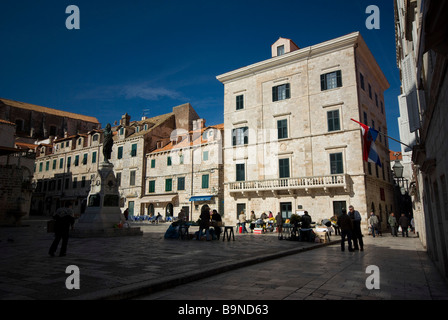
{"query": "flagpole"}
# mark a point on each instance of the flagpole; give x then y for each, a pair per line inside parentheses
(386, 136)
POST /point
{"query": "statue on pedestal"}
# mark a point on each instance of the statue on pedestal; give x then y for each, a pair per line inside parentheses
(107, 142)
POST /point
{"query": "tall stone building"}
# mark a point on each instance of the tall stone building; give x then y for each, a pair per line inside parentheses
(186, 172)
(422, 56)
(289, 142)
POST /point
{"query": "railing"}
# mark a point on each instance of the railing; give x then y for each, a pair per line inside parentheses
(330, 181)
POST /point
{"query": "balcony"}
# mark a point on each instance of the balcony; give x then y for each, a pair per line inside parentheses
(292, 184)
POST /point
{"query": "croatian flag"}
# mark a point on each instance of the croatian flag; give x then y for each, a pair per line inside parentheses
(369, 136)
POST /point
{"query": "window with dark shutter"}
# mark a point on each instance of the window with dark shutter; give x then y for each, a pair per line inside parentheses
(331, 80)
(281, 92)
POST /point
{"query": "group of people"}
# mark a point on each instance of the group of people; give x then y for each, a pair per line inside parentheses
(209, 218)
(350, 227)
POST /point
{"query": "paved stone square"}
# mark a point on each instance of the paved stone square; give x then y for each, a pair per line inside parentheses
(251, 267)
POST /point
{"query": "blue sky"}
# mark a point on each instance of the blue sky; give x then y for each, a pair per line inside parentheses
(144, 57)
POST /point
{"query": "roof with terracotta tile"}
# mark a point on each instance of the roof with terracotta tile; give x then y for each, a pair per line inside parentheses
(52, 111)
(23, 145)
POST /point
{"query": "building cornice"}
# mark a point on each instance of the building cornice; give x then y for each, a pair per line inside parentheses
(322, 48)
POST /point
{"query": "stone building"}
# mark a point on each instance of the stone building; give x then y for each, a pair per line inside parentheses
(289, 142)
(16, 165)
(38, 123)
(422, 57)
(66, 166)
(185, 172)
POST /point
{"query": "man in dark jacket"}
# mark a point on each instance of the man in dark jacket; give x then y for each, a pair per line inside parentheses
(63, 221)
(357, 234)
(346, 225)
(403, 222)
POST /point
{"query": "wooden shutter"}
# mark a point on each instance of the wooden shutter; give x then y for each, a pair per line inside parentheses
(323, 85)
(339, 78)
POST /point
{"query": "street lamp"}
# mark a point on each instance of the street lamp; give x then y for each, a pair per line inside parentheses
(398, 169)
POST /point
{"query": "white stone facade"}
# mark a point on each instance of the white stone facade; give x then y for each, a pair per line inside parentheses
(290, 144)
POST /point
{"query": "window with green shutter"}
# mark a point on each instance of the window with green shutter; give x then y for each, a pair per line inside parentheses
(281, 92)
(181, 183)
(153, 163)
(94, 157)
(336, 164)
(331, 80)
(120, 152)
(282, 129)
(168, 161)
(61, 163)
(152, 186)
(240, 172)
(283, 165)
(54, 164)
(239, 102)
(168, 184)
(333, 120)
(205, 180)
(134, 150)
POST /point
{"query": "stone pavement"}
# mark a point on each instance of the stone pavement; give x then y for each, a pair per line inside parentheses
(405, 273)
(123, 267)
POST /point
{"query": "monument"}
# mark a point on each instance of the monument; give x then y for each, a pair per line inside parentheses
(103, 217)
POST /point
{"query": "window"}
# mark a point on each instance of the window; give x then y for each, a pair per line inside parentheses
(181, 183)
(76, 160)
(83, 182)
(181, 159)
(205, 156)
(168, 161)
(75, 183)
(54, 164)
(370, 91)
(67, 144)
(205, 180)
(330, 80)
(40, 166)
(338, 206)
(239, 102)
(118, 176)
(376, 99)
(282, 129)
(84, 160)
(281, 92)
(283, 166)
(361, 78)
(168, 184)
(145, 127)
(121, 131)
(95, 137)
(134, 150)
(280, 50)
(94, 157)
(333, 120)
(47, 165)
(132, 178)
(336, 164)
(240, 172)
(79, 141)
(365, 118)
(69, 162)
(240, 136)
(61, 163)
(153, 163)
(152, 186)
(120, 152)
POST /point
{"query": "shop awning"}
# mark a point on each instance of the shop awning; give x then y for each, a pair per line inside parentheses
(201, 198)
(159, 198)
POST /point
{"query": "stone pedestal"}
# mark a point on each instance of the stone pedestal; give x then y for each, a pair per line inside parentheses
(103, 213)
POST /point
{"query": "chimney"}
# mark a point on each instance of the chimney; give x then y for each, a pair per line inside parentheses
(125, 120)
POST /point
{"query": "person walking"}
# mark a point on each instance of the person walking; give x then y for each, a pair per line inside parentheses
(279, 222)
(404, 224)
(63, 221)
(358, 243)
(346, 225)
(373, 222)
(393, 224)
